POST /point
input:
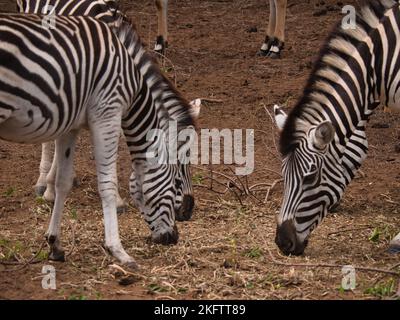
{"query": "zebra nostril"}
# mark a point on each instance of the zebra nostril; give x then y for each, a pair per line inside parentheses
(286, 238)
(289, 245)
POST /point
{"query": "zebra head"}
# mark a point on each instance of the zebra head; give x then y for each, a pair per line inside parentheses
(184, 203)
(162, 190)
(314, 181)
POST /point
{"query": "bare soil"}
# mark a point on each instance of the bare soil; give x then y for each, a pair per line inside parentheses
(227, 250)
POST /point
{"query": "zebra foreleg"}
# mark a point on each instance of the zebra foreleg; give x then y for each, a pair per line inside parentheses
(65, 150)
(49, 194)
(105, 141)
(45, 183)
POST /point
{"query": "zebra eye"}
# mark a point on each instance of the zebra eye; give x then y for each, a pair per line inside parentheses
(310, 176)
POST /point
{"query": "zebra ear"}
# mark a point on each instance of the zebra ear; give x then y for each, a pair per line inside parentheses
(280, 117)
(195, 107)
(324, 134)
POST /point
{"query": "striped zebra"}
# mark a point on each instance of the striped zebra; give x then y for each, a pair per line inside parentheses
(104, 11)
(85, 74)
(97, 9)
(323, 141)
(100, 9)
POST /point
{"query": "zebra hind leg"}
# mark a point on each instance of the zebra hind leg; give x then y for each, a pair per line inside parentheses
(44, 168)
(394, 246)
(65, 150)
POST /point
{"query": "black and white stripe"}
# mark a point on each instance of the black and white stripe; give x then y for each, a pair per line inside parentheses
(82, 73)
(323, 140)
(106, 11)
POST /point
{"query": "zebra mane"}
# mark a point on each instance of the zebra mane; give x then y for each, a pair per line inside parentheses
(126, 31)
(330, 62)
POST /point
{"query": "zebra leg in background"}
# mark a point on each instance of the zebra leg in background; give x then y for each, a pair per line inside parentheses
(105, 142)
(44, 168)
(65, 150)
(162, 36)
(394, 246)
(48, 176)
(275, 38)
(270, 31)
(49, 194)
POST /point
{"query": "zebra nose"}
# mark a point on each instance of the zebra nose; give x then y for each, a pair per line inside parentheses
(287, 241)
(167, 238)
(185, 211)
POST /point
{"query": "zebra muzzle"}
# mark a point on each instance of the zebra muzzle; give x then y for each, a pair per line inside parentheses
(287, 241)
(167, 238)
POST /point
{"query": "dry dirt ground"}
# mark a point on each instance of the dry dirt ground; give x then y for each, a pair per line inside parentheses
(227, 251)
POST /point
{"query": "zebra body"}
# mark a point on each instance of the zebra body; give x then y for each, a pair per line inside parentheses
(100, 9)
(106, 11)
(55, 81)
(323, 140)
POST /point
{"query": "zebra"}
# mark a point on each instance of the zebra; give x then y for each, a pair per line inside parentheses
(323, 141)
(86, 74)
(97, 9)
(274, 41)
(102, 10)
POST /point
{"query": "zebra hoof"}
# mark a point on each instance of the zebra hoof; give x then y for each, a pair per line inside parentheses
(57, 255)
(262, 53)
(40, 190)
(274, 55)
(132, 266)
(394, 247)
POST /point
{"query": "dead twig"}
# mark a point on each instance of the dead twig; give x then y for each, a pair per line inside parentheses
(274, 184)
(349, 230)
(329, 265)
(211, 100)
(24, 264)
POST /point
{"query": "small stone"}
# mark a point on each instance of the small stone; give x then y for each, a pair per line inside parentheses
(252, 30)
(319, 13)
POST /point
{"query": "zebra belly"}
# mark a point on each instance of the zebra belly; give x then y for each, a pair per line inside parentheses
(27, 126)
